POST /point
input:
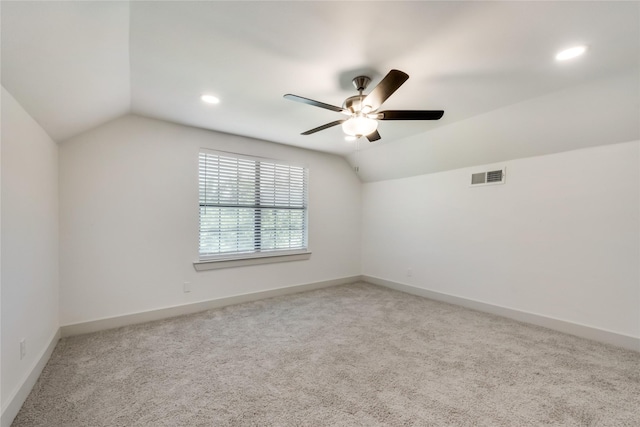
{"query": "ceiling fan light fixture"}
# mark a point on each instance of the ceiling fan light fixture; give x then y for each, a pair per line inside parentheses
(359, 125)
(363, 110)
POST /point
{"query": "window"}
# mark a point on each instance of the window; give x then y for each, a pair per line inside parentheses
(250, 206)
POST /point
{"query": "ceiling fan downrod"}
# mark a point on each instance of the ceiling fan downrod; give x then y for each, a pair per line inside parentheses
(354, 103)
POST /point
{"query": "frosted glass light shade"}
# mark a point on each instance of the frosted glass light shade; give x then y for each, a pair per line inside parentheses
(359, 126)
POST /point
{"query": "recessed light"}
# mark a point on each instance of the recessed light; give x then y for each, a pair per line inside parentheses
(570, 53)
(210, 99)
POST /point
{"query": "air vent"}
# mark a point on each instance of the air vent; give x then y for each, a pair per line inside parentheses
(488, 178)
(494, 176)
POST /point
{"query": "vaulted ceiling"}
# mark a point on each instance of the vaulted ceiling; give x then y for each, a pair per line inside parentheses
(76, 65)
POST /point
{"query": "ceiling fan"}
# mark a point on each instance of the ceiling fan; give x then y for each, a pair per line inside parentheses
(363, 110)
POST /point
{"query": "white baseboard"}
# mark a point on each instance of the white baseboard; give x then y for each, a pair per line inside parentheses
(163, 313)
(15, 401)
(583, 331)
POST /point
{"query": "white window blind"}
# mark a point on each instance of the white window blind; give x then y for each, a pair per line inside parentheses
(250, 206)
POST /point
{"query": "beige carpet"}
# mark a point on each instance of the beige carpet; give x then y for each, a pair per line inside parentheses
(354, 355)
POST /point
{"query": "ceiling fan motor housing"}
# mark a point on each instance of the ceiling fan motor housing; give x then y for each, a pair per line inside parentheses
(353, 103)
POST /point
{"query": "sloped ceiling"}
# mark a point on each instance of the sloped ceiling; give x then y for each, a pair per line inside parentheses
(67, 63)
(75, 65)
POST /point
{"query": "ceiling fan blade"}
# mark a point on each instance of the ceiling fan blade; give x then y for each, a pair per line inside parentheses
(323, 127)
(385, 89)
(373, 136)
(410, 115)
(316, 103)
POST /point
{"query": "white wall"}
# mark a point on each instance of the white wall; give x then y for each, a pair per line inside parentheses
(29, 243)
(560, 239)
(129, 220)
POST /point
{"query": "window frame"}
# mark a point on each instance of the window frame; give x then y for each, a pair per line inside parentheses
(258, 255)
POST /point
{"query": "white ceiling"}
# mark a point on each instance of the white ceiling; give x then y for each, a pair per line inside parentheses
(67, 63)
(75, 65)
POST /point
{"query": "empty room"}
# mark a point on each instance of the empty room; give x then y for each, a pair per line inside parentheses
(320, 213)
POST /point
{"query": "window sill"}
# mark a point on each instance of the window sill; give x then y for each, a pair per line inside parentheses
(215, 264)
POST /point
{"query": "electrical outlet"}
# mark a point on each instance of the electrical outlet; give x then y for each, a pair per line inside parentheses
(23, 348)
(409, 272)
(186, 287)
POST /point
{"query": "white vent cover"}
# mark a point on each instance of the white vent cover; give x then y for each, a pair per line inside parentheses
(489, 177)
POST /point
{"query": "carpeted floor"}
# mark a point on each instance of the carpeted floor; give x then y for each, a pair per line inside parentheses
(354, 355)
